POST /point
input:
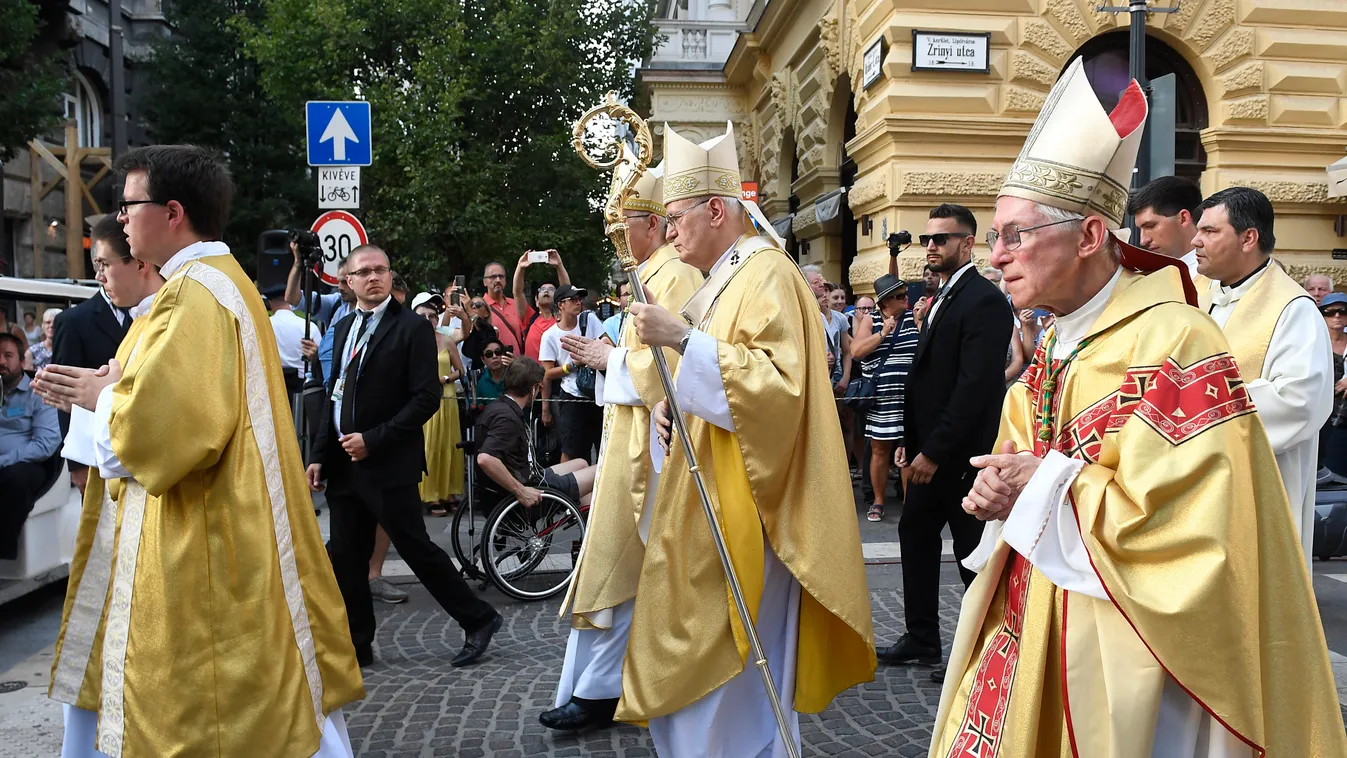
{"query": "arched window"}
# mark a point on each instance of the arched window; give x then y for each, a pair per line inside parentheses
(86, 109)
(1106, 66)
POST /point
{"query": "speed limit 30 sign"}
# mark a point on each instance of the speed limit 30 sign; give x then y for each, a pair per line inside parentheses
(338, 233)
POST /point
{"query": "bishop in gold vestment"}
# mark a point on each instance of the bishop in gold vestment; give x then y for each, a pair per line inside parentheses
(754, 384)
(1145, 594)
(202, 617)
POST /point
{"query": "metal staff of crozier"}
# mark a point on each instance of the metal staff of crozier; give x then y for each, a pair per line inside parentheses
(627, 167)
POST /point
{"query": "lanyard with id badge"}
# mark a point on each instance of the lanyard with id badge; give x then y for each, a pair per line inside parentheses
(346, 363)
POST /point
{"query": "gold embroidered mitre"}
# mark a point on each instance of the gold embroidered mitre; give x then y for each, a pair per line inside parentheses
(692, 170)
(647, 195)
(1078, 157)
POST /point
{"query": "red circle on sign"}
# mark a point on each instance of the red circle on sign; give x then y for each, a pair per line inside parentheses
(338, 233)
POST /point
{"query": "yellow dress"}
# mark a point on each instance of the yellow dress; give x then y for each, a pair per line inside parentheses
(202, 617)
(444, 461)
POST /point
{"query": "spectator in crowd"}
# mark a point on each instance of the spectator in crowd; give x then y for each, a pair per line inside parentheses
(1166, 217)
(835, 324)
(886, 340)
(837, 298)
(327, 309)
(39, 351)
(29, 436)
(87, 336)
(481, 331)
(930, 282)
(503, 446)
(951, 413)
(1334, 310)
(991, 274)
(32, 331)
(371, 450)
(536, 321)
(400, 289)
(506, 316)
(856, 444)
(581, 420)
(1318, 285)
(612, 326)
(336, 306)
(442, 482)
(9, 328)
(289, 330)
(491, 383)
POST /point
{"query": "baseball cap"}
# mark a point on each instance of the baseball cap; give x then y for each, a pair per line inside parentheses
(566, 292)
(428, 298)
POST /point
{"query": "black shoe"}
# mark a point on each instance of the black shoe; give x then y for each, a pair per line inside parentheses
(938, 675)
(907, 651)
(580, 713)
(474, 645)
(364, 655)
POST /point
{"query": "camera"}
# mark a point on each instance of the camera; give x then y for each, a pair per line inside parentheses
(310, 247)
(899, 241)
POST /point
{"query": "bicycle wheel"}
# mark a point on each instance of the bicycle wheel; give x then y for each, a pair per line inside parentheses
(466, 539)
(530, 553)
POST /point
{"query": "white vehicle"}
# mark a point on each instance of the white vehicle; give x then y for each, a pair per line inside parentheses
(47, 542)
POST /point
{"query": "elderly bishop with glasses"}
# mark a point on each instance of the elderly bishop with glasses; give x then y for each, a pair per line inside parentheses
(1142, 590)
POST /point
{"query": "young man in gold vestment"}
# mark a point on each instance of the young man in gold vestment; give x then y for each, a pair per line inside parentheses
(1141, 589)
(205, 619)
(753, 381)
(601, 597)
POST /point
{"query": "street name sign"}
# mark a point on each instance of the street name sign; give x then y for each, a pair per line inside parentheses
(339, 133)
(950, 51)
(338, 234)
(339, 187)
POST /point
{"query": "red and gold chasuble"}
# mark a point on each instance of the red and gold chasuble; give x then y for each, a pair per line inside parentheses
(1180, 508)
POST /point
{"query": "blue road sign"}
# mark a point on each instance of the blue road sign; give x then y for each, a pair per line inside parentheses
(339, 133)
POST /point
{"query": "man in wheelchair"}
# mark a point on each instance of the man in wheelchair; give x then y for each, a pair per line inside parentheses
(504, 452)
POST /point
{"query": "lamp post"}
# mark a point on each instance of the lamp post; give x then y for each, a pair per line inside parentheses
(1136, 64)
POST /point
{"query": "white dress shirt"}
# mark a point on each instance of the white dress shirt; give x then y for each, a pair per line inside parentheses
(1190, 260)
(289, 330)
(343, 361)
(949, 284)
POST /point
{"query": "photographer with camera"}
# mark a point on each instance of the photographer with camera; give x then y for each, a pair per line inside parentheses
(324, 310)
(538, 320)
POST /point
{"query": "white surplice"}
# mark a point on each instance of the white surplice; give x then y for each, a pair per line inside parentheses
(1042, 528)
(1293, 395)
(81, 726)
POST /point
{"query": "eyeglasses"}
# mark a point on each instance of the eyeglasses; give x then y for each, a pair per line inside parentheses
(489, 277)
(122, 205)
(365, 273)
(941, 238)
(864, 308)
(674, 218)
(1335, 312)
(478, 304)
(492, 353)
(1010, 234)
(100, 265)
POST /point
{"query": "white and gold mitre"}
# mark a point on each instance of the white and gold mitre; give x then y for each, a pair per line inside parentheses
(692, 170)
(1078, 157)
(647, 195)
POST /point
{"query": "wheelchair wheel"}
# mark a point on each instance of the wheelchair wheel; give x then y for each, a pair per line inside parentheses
(530, 553)
(466, 539)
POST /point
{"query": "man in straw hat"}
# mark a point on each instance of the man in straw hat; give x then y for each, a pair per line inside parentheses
(1141, 589)
(601, 599)
(754, 383)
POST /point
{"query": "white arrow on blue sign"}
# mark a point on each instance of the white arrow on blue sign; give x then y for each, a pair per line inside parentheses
(339, 133)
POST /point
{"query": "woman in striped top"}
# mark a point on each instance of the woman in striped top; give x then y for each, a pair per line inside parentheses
(885, 345)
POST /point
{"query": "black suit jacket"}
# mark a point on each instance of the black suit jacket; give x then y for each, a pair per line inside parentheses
(86, 336)
(397, 390)
(952, 406)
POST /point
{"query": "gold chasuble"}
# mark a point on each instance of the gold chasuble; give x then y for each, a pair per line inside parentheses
(203, 618)
(778, 482)
(1175, 507)
(1250, 327)
(611, 557)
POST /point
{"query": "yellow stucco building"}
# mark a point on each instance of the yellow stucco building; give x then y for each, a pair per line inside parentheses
(1261, 102)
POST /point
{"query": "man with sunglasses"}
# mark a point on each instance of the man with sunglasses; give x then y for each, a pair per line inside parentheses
(950, 413)
(1141, 590)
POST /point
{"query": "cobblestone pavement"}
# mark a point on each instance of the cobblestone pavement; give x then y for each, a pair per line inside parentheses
(417, 705)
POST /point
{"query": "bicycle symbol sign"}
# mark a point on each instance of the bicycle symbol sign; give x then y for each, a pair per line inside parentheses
(338, 233)
(339, 187)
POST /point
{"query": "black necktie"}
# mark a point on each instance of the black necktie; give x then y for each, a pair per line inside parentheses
(349, 380)
(126, 314)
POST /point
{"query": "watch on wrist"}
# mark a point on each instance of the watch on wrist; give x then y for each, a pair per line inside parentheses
(683, 343)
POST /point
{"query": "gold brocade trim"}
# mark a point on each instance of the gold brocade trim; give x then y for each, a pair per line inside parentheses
(1070, 184)
(258, 398)
(649, 206)
(703, 180)
(91, 596)
(111, 711)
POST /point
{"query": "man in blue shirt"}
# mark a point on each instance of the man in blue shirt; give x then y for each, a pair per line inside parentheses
(29, 436)
(612, 326)
(330, 309)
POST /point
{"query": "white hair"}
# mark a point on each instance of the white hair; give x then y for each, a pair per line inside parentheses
(1306, 283)
(1057, 215)
(811, 269)
(53, 312)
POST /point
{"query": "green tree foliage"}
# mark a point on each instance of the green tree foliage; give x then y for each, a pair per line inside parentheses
(205, 90)
(473, 104)
(32, 73)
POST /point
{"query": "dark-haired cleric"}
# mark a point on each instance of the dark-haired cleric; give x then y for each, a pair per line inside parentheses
(202, 617)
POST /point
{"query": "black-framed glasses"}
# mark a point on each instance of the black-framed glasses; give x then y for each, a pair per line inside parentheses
(941, 238)
(492, 353)
(494, 276)
(1010, 234)
(674, 218)
(122, 205)
(478, 304)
